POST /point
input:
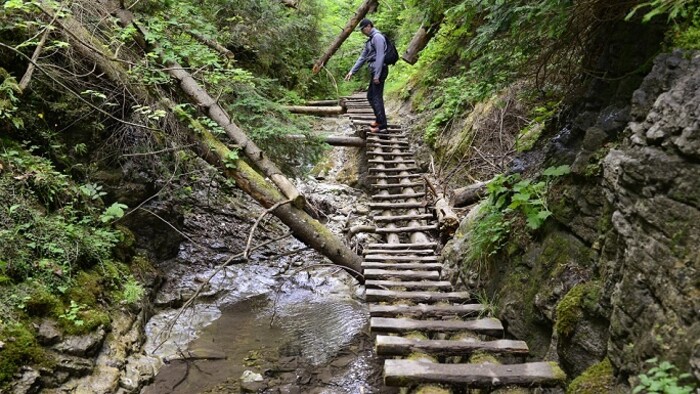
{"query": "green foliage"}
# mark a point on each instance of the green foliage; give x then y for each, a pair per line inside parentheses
(133, 292)
(663, 378)
(508, 196)
(675, 9)
(113, 212)
(72, 314)
(9, 90)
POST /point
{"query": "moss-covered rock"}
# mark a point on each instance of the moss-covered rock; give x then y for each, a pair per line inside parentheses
(598, 378)
(20, 348)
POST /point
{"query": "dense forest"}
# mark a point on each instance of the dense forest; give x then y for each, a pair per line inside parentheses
(578, 119)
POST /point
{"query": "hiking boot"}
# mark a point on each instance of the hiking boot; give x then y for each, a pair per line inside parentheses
(374, 129)
(374, 124)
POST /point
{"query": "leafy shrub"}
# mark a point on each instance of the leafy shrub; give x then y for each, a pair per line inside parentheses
(662, 378)
(508, 196)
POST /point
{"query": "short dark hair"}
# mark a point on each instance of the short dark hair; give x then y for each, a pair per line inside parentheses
(365, 22)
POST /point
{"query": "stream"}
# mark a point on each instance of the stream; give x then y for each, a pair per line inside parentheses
(277, 324)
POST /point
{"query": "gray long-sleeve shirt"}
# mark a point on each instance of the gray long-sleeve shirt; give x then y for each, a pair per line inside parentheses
(370, 55)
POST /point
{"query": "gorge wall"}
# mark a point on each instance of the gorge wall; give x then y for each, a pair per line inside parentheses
(613, 280)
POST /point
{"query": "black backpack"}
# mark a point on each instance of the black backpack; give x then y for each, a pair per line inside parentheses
(391, 56)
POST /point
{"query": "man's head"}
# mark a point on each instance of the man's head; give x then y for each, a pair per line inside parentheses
(366, 26)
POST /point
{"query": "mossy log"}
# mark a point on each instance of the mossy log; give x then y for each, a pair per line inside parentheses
(315, 110)
(420, 40)
(469, 194)
(366, 7)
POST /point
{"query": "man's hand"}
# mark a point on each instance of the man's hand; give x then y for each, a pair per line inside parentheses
(348, 76)
(376, 81)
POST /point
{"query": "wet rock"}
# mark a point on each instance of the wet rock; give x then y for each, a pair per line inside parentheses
(252, 382)
(73, 365)
(82, 345)
(140, 370)
(289, 389)
(48, 332)
(29, 382)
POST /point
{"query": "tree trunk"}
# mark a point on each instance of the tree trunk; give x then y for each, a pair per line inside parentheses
(334, 140)
(206, 102)
(470, 194)
(323, 103)
(447, 219)
(305, 228)
(345, 33)
(420, 40)
(314, 110)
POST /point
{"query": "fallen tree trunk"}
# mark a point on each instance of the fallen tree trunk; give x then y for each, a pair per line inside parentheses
(323, 103)
(470, 194)
(207, 103)
(420, 40)
(334, 140)
(447, 219)
(305, 228)
(345, 33)
(314, 110)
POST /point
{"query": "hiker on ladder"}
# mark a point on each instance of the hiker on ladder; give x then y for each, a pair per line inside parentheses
(379, 70)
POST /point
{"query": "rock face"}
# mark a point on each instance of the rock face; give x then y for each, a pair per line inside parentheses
(653, 185)
(614, 275)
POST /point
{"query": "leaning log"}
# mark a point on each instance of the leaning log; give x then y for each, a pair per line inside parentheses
(308, 230)
(469, 194)
(314, 110)
(345, 33)
(333, 140)
(304, 228)
(209, 105)
(447, 219)
(420, 40)
(323, 103)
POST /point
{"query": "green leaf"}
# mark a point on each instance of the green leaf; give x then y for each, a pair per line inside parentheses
(115, 211)
(557, 171)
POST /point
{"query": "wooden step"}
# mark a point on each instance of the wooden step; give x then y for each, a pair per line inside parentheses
(399, 252)
(387, 154)
(402, 266)
(399, 218)
(375, 295)
(412, 229)
(399, 346)
(488, 326)
(401, 275)
(425, 311)
(402, 246)
(401, 373)
(392, 162)
(384, 136)
(397, 205)
(422, 285)
(393, 177)
(407, 169)
(404, 196)
(413, 259)
(388, 145)
(380, 143)
(398, 185)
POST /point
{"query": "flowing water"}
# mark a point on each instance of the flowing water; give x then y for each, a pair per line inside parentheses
(288, 326)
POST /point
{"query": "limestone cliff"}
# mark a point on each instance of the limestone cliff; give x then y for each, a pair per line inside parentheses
(613, 275)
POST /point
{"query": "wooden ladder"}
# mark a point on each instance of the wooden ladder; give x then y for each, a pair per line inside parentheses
(425, 330)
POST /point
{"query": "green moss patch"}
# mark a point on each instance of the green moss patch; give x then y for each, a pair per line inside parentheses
(598, 378)
(20, 348)
(582, 297)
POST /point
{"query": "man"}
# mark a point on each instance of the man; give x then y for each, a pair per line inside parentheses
(373, 55)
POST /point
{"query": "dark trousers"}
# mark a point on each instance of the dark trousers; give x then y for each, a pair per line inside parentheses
(375, 96)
